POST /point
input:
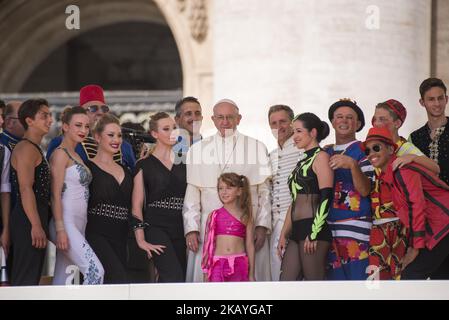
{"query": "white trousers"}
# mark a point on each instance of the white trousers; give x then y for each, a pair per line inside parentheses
(275, 261)
(79, 255)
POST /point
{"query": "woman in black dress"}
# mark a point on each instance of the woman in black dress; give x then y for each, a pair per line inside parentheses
(109, 202)
(159, 189)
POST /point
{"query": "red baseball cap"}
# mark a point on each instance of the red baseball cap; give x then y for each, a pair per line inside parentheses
(91, 92)
(379, 134)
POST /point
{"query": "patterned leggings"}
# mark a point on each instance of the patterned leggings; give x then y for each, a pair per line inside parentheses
(79, 254)
(388, 244)
(348, 259)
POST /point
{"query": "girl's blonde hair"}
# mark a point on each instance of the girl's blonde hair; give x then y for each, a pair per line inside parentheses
(104, 121)
(155, 118)
(234, 180)
(153, 126)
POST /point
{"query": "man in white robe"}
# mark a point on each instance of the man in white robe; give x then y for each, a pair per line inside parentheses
(226, 151)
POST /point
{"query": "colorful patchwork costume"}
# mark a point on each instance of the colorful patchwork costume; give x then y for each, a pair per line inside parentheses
(349, 219)
(388, 239)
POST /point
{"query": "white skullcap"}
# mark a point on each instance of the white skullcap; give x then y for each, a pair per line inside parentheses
(226, 101)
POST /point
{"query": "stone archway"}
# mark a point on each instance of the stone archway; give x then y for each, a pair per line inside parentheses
(31, 30)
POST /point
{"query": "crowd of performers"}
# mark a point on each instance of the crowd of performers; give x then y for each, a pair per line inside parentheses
(221, 208)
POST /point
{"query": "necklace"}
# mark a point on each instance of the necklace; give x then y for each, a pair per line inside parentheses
(222, 169)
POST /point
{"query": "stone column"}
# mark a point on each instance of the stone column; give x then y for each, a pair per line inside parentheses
(307, 54)
(440, 38)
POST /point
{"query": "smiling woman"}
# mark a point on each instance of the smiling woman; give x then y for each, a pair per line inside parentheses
(305, 237)
(109, 202)
(70, 195)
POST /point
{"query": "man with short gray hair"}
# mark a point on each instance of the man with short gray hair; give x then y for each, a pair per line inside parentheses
(188, 117)
(283, 160)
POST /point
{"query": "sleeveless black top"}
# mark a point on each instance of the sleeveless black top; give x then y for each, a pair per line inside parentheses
(164, 195)
(304, 188)
(109, 203)
(303, 179)
(41, 188)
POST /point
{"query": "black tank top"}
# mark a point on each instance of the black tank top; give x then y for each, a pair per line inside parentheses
(303, 179)
(109, 203)
(41, 188)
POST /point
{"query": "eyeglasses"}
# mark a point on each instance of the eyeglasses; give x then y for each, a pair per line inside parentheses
(94, 108)
(375, 148)
(228, 118)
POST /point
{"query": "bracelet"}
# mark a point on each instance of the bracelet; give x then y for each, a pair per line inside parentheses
(59, 225)
(136, 223)
(140, 225)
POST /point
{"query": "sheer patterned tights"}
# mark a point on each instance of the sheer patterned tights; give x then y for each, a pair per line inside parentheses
(297, 265)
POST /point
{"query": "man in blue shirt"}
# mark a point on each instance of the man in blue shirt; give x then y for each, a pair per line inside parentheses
(12, 133)
(12, 128)
(350, 213)
(92, 99)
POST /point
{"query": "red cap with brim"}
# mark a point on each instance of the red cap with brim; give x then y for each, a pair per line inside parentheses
(379, 134)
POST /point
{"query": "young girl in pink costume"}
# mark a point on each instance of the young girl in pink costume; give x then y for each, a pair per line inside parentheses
(228, 254)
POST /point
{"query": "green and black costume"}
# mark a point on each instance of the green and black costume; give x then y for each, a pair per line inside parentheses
(310, 208)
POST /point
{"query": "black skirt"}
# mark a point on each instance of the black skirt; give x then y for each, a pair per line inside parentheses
(302, 228)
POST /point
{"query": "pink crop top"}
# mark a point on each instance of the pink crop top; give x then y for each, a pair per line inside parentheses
(221, 222)
(227, 224)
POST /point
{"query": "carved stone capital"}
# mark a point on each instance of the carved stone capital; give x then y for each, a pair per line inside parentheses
(181, 5)
(196, 12)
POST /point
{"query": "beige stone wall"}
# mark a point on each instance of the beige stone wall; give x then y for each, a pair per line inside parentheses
(308, 54)
(441, 38)
(258, 52)
(31, 30)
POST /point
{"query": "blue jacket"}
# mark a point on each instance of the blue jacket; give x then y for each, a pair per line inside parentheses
(127, 158)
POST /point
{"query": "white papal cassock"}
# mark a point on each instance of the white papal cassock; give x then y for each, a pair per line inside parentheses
(206, 161)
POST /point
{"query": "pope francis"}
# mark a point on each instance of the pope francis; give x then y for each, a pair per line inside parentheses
(226, 151)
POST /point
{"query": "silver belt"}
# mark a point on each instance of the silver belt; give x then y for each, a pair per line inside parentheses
(168, 203)
(110, 211)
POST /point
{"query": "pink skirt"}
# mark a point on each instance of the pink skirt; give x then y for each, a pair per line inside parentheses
(229, 268)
